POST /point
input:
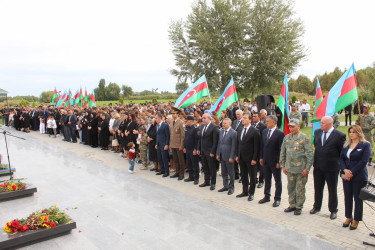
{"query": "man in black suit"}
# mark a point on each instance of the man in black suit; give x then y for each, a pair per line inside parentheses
(328, 144)
(207, 150)
(260, 126)
(248, 139)
(272, 139)
(348, 114)
(72, 125)
(162, 144)
(237, 126)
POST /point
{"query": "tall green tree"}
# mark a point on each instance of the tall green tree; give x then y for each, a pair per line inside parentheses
(46, 96)
(126, 91)
(181, 87)
(100, 91)
(256, 42)
(112, 91)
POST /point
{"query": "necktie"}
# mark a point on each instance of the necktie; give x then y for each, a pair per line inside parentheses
(268, 135)
(325, 138)
(204, 130)
(244, 133)
(225, 133)
(238, 124)
(174, 122)
(157, 127)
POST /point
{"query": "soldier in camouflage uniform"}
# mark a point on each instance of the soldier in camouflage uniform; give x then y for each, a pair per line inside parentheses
(295, 114)
(368, 123)
(296, 158)
(143, 145)
(336, 120)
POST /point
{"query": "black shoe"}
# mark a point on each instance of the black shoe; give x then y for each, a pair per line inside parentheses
(289, 209)
(260, 185)
(276, 204)
(204, 184)
(264, 200)
(165, 175)
(298, 211)
(333, 216)
(347, 225)
(159, 173)
(236, 177)
(230, 192)
(174, 176)
(152, 169)
(189, 179)
(251, 197)
(196, 182)
(222, 189)
(180, 178)
(240, 181)
(212, 187)
(242, 195)
(314, 211)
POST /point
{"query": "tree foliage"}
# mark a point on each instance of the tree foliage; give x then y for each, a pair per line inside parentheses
(107, 93)
(46, 96)
(255, 42)
(126, 91)
(181, 87)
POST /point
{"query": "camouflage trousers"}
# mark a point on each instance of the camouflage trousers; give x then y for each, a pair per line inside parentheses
(370, 139)
(296, 190)
(143, 153)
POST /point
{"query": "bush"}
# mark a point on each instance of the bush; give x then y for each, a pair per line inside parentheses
(121, 101)
(294, 99)
(24, 103)
(154, 100)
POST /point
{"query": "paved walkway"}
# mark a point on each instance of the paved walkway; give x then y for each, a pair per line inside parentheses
(116, 209)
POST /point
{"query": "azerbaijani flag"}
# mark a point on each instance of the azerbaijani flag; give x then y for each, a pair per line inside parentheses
(54, 96)
(80, 97)
(226, 99)
(318, 100)
(196, 91)
(86, 98)
(76, 98)
(283, 104)
(343, 93)
(92, 102)
(61, 100)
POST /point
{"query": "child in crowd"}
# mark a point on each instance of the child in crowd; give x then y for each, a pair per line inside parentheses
(51, 126)
(131, 156)
(143, 147)
(42, 125)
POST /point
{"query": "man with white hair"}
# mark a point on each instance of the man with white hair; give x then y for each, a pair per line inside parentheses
(263, 116)
(328, 143)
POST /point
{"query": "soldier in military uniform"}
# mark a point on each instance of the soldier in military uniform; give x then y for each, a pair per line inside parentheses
(368, 123)
(192, 137)
(296, 158)
(143, 145)
(295, 114)
(336, 120)
(177, 137)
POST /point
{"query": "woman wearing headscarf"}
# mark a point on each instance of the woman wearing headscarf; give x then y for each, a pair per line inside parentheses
(152, 153)
(121, 133)
(104, 131)
(93, 128)
(130, 129)
(115, 129)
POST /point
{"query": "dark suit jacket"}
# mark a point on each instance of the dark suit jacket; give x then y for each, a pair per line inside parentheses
(270, 152)
(248, 148)
(326, 157)
(235, 127)
(260, 126)
(358, 161)
(209, 139)
(162, 135)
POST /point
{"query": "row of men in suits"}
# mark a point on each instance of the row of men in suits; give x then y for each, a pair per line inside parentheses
(250, 143)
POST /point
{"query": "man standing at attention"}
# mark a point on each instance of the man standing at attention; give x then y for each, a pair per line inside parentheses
(207, 150)
(328, 143)
(368, 123)
(296, 158)
(177, 144)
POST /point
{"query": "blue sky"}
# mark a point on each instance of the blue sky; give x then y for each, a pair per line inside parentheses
(69, 44)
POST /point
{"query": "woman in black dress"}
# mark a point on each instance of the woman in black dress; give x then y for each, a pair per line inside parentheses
(93, 127)
(152, 154)
(104, 131)
(121, 131)
(130, 136)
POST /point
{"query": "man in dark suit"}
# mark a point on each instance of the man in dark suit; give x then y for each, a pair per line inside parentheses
(35, 119)
(348, 114)
(272, 139)
(237, 126)
(261, 127)
(248, 139)
(328, 144)
(226, 151)
(207, 150)
(72, 124)
(162, 145)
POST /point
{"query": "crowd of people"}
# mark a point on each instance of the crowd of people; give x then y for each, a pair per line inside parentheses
(246, 143)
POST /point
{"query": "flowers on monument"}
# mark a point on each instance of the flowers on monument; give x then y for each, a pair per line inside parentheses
(12, 185)
(46, 218)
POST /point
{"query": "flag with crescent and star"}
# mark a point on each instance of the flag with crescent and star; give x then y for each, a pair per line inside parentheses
(196, 91)
(226, 99)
